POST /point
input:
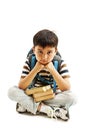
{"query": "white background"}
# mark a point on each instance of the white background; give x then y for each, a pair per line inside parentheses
(19, 21)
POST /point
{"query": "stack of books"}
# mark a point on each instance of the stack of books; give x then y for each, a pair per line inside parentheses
(41, 93)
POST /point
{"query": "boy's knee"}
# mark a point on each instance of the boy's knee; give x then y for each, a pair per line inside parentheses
(11, 92)
(73, 98)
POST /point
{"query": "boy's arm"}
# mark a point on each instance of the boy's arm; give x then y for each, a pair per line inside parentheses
(63, 83)
(25, 82)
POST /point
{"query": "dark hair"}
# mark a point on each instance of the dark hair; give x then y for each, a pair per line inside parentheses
(45, 38)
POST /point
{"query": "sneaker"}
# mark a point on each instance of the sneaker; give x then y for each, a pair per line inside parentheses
(58, 112)
(50, 112)
(61, 113)
(20, 109)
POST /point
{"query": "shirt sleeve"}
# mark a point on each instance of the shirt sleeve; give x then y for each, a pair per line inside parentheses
(26, 68)
(64, 72)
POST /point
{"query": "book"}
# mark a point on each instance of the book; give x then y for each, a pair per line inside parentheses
(37, 90)
(40, 94)
(46, 97)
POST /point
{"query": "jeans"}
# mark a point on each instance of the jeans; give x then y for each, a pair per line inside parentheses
(65, 98)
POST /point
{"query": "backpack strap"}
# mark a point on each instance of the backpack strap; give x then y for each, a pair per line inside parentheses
(55, 62)
(56, 65)
(33, 61)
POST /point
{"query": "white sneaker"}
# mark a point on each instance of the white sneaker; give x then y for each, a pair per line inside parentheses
(58, 112)
(20, 109)
(62, 113)
(50, 112)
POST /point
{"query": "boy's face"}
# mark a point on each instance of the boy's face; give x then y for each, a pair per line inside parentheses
(44, 55)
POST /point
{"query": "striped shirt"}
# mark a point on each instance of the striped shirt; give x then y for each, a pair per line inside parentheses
(44, 74)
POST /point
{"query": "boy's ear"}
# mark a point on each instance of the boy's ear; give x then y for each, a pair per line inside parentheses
(56, 50)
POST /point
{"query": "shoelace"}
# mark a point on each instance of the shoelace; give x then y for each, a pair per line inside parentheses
(51, 113)
(61, 113)
(58, 112)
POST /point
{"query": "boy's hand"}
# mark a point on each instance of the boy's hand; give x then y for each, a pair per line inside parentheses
(49, 66)
(39, 66)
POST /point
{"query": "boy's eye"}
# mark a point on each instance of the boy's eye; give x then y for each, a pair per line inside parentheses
(49, 52)
(40, 52)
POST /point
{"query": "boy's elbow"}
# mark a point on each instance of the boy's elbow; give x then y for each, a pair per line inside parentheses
(68, 87)
(21, 86)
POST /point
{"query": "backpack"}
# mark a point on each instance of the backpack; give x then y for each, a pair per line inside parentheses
(56, 63)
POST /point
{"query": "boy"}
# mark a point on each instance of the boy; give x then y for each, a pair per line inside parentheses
(45, 44)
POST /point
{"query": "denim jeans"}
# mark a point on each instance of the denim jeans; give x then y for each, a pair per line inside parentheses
(65, 98)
